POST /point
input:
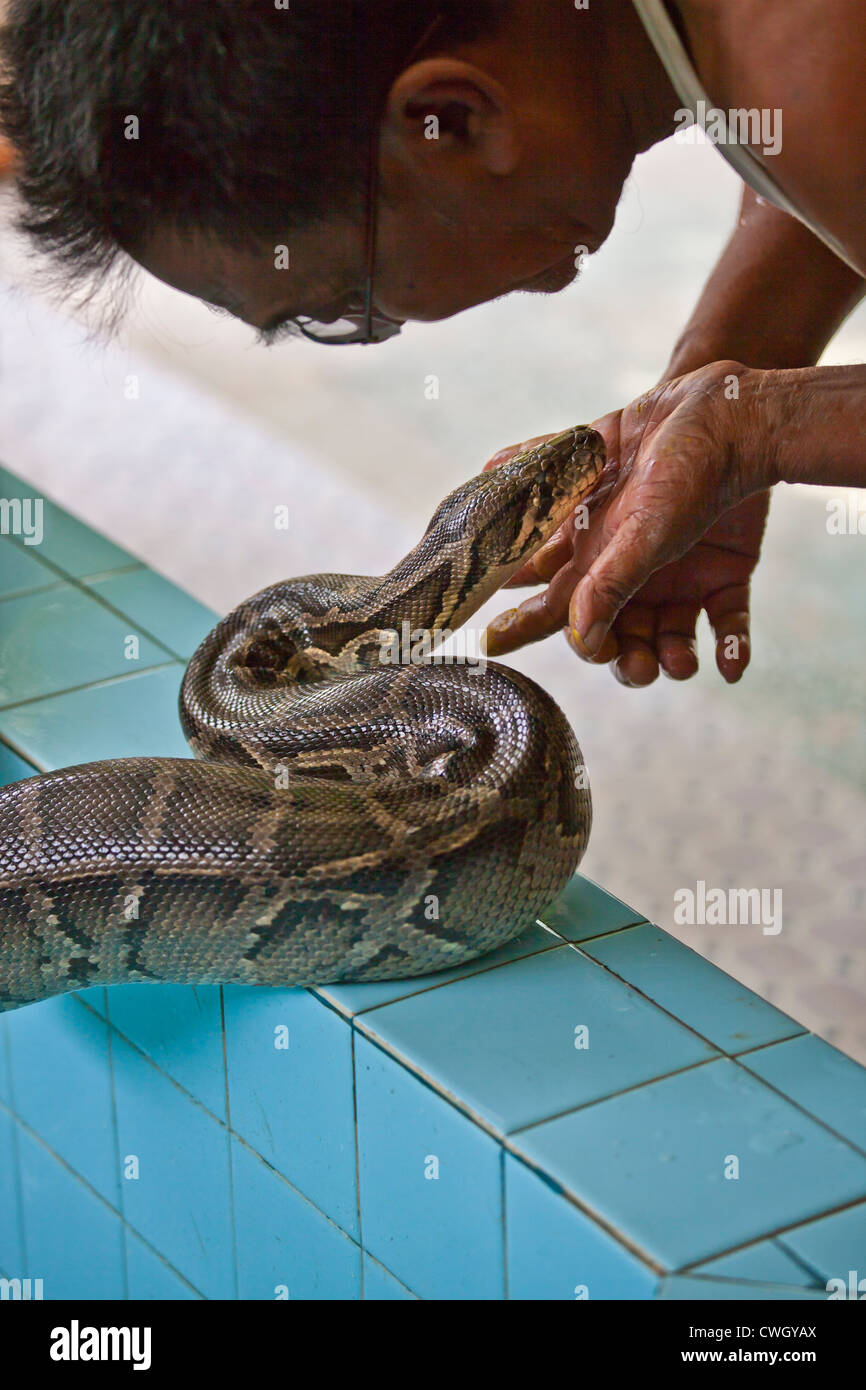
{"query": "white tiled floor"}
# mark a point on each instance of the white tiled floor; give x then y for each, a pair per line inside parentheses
(762, 785)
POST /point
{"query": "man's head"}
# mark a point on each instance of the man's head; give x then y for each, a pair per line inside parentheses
(227, 145)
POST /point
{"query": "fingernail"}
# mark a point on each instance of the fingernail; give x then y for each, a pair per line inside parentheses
(593, 639)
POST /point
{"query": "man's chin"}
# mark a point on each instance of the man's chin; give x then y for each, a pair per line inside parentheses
(551, 281)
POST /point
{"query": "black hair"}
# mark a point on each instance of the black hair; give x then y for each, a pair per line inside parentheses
(239, 119)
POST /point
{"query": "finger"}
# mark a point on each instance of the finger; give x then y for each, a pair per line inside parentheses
(616, 575)
(536, 618)
(637, 663)
(676, 640)
(608, 651)
(728, 612)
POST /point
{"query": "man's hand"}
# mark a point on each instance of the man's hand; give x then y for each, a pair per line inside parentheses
(679, 532)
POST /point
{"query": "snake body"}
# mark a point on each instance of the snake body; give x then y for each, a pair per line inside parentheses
(348, 816)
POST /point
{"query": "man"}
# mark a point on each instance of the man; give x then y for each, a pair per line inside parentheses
(342, 166)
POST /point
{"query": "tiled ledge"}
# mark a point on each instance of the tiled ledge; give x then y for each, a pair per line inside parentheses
(448, 1137)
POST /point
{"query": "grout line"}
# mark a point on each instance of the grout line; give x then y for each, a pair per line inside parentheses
(504, 1218)
(803, 1264)
(595, 1217)
(810, 1115)
(115, 1132)
(779, 1232)
(357, 1150)
(596, 936)
(29, 593)
(83, 584)
(233, 1221)
(442, 984)
(614, 1095)
(390, 1272)
(194, 1100)
(87, 685)
(16, 1151)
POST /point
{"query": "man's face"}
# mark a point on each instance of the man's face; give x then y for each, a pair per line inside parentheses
(427, 268)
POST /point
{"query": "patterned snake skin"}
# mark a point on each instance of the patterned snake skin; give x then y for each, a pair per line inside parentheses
(357, 815)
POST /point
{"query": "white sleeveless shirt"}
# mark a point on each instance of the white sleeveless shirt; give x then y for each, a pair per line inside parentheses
(671, 50)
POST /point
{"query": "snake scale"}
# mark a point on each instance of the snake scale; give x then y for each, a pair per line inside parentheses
(346, 817)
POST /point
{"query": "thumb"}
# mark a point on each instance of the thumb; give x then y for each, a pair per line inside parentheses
(622, 568)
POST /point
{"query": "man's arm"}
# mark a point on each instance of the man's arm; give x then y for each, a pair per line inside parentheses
(775, 299)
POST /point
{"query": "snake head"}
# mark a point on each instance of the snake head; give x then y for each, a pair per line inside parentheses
(536, 490)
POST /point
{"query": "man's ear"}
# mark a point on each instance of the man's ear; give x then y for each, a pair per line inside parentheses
(443, 104)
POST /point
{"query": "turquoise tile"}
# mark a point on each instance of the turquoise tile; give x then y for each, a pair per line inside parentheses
(834, 1245)
(431, 1203)
(175, 1173)
(136, 717)
(510, 1043)
(21, 571)
(652, 1163)
(585, 910)
(286, 1248)
(681, 1288)
(357, 999)
(766, 1263)
(13, 768)
(696, 991)
(380, 1285)
(824, 1081)
(5, 1090)
(148, 1275)
(12, 1263)
(289, 1061)
(61, 1085)
(54, 641)
(180, 1028)
(74, 1241)
(555, 1252)
(66, 542)
(156, 606)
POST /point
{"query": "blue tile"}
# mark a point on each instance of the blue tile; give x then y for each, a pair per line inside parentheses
(293, 1104)
(696, 991)
(180, 1028)
(680, 1287)
(652, 1163)
(286, 1249)
(136, 717)
(149, 1277)
(21, 572)
(584, 910)
(554, 1251)
(825, 1082)
(13, 768)
(431, 1208)
(156, 606)
(356, 999)
(766, 1263)
(54, 641)
(74, 1241)
(505, 1042)
(380, 1285)
(180, 1200)
(5, 1088)
(12, 1263)
(834, 1245)
(66, 541)
(61, 1085)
